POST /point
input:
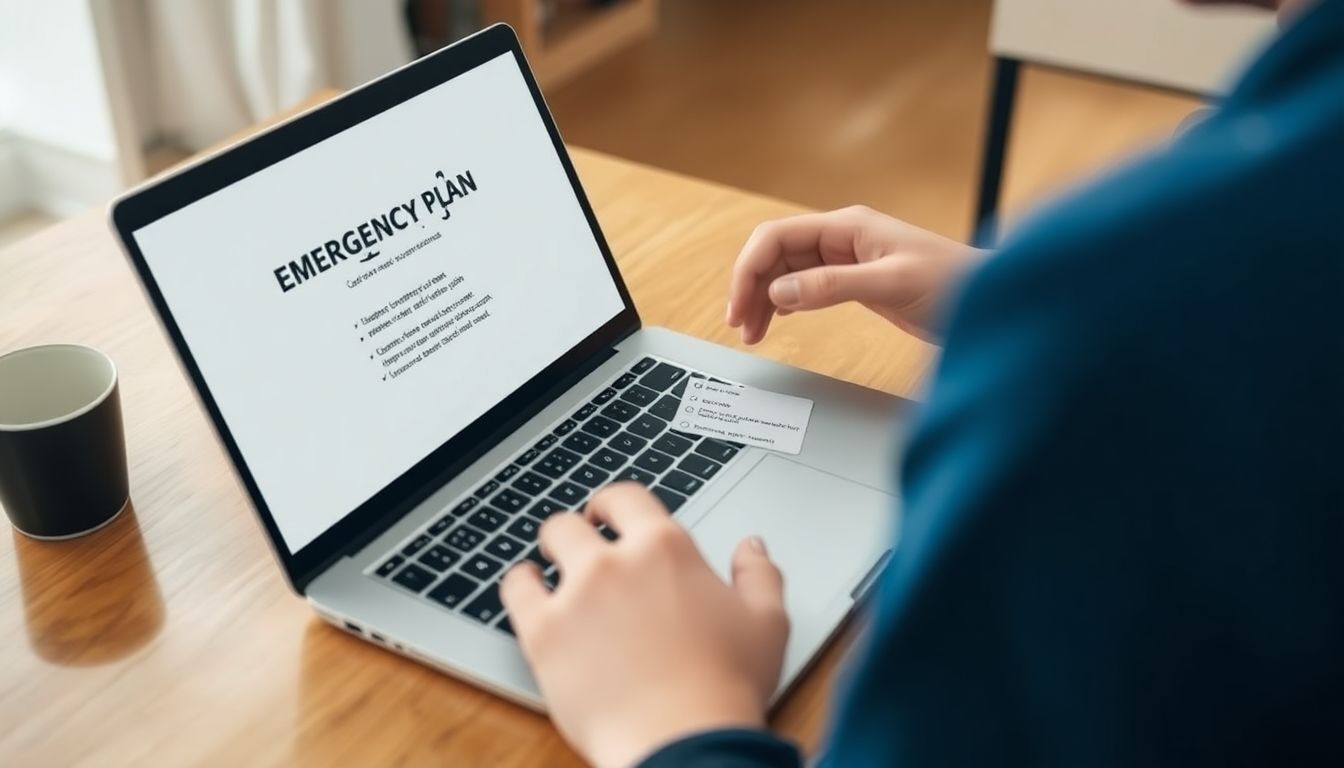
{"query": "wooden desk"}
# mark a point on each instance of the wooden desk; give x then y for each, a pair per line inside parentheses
(170, 638)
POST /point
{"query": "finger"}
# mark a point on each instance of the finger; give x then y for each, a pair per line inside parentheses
(882, 281)
(567, 540)
(523, 593)
(755, 578)
(758, 255)
(775, 248)
(763, 259)
(626, 507)
(760, 311)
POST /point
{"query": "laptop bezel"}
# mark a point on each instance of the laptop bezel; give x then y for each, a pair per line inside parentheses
(161, 197)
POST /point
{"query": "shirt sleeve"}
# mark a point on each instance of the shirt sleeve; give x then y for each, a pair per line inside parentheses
(729, 748)
(1114, 507)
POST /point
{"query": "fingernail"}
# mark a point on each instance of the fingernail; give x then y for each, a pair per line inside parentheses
(728, 314)
(757, 544)
(784, 291)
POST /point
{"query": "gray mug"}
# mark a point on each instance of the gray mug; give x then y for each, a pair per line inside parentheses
(62, 448)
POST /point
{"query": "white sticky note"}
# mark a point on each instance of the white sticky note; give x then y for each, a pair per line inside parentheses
(744, 415)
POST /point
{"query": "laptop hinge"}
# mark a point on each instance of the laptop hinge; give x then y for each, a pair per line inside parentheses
(861, 590)
(484, 446)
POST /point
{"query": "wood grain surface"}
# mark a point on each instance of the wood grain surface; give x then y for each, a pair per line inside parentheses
(170, 637)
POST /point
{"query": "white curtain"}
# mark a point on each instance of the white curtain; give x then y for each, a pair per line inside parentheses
(217, 66)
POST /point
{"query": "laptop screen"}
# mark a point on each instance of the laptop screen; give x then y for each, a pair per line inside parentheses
(355, 305)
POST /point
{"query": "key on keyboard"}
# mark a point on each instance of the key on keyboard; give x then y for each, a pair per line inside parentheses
(620, 410)
(639, 395)
(608, 459)
(662, 376)
(440, 558)
(524, 528)
(590, 476)
(510, 500)
(628, 443)
(666, 407)
(601, 426)
(569, 494)
(487, 519)
(482, 567)
(485, 607)
(581, 442)
(544, 509)
(557, 463)
(671, 444)
(414, 578)
(671, 499)
(531, 483)
(653, 461)
(464, 538)
(453, 590)
(638, 475)
(699, 466)
(715, 450)
(504, 547)
(647, 426)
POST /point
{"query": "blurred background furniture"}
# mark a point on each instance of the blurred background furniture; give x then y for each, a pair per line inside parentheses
(827, 103)
(1153, 43)
(564, 37)
(181, 76)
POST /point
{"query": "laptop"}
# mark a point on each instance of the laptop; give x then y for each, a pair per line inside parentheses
(403, 320)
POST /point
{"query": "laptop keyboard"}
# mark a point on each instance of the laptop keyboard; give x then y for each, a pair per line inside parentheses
(623, 432)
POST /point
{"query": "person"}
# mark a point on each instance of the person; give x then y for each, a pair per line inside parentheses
(1123, 504)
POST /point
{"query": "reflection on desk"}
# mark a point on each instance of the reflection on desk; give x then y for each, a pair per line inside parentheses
(90, 600)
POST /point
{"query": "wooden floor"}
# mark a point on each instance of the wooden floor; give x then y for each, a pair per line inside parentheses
(843, 101)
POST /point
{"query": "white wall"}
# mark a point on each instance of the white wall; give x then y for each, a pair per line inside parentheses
(50, 66)
(54, 114)
(7, 88)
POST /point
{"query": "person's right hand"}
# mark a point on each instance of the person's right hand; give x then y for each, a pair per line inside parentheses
(815, 260)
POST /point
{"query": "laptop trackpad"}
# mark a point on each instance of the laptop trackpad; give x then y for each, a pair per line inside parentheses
(823, 531)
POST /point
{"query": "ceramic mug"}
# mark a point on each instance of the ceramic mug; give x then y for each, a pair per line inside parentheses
(62, 446)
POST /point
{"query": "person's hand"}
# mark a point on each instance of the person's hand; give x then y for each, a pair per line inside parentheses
(641, 642)
(815, 260)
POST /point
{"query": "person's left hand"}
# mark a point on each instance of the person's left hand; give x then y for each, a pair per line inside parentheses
(641, 643)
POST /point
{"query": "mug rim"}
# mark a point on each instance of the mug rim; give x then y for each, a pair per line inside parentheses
(97, 401)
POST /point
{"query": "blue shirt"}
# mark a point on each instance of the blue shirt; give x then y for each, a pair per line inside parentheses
(1123, 540)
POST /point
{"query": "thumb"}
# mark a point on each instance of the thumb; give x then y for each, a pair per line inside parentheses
(756, 579)
(873, 282)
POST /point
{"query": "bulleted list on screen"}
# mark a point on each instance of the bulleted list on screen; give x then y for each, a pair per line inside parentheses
(407, 330)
